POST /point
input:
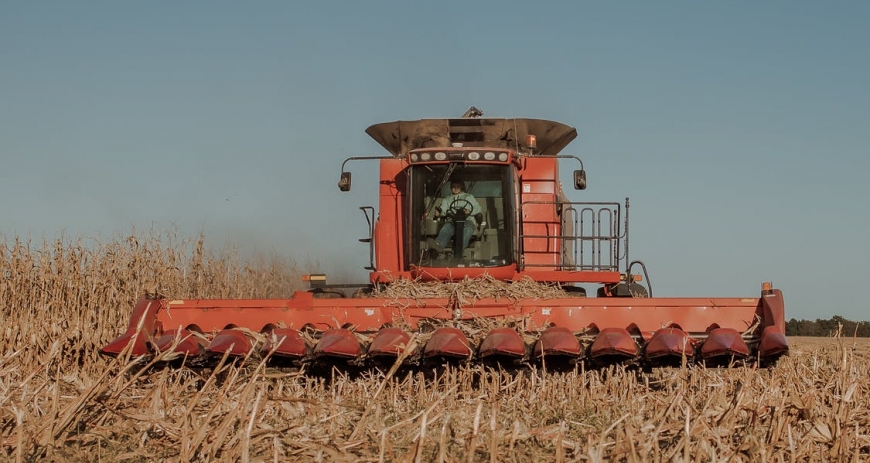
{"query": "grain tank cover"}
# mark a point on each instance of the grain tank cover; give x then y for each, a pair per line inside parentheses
(399, 137)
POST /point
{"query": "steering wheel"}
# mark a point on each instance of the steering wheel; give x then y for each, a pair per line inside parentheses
(458, 206)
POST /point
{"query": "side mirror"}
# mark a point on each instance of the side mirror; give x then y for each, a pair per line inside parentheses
(579, 179)
(344, 182)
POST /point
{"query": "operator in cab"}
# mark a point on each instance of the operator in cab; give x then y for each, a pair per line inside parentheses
(457, 205)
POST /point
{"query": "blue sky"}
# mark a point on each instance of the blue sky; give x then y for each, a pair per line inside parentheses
(738, 129)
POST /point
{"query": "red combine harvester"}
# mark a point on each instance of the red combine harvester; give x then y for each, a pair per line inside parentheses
(466, 199)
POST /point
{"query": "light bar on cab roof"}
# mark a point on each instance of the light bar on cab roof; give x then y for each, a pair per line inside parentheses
(441, 155)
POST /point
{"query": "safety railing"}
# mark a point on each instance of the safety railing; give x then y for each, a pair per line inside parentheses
(584, 236)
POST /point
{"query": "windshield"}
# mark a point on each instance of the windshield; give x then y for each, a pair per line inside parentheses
(461, 215)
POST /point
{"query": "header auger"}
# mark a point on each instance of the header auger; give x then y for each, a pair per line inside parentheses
(475, 204)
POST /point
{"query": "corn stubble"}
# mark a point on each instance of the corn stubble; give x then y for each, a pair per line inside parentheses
(61, 401)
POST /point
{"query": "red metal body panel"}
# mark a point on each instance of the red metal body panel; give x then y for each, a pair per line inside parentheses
(389, 342)
(231, 341)
(773, 342)
(538, 190)
(557, 322)
(613, 342)
(338, 343)
(286, 342)
(724, 341)
(502, 341)
(669, 342)
(773, 310)
(447, 342)
(569, 276)
(389, 229)
(140, 335)
(693, 315)
(721, 326)
(557, 340)
(188, 343)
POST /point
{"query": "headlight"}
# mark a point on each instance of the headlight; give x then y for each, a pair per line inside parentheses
(489, 155)
(425, 156)
(440, 156)
(473, 156)
(503, 157)
(414, 157)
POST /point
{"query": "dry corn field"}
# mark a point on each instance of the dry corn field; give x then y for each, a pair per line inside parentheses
(61, 401)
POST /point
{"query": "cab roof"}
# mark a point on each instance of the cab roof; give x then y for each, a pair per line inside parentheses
(399, 137)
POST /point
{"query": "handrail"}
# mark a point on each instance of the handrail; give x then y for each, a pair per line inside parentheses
(370, 240)
(588, 237)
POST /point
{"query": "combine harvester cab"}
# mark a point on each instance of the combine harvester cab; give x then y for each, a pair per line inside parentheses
(468, 204)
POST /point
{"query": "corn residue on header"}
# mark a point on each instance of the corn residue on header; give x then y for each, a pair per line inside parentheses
(471, 290)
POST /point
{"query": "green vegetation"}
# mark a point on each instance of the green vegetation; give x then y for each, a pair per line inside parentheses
(835, 326)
